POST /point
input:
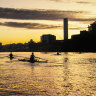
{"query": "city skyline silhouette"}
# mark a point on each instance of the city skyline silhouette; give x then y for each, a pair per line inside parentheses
(20, 22)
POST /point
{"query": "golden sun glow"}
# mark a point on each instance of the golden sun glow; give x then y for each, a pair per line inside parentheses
(14, 30)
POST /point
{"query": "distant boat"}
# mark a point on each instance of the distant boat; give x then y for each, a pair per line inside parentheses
(33, 59)
(24, 60)
(58, 53)
(11, 56)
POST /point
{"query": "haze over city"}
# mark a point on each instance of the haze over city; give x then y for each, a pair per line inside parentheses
(22, 20)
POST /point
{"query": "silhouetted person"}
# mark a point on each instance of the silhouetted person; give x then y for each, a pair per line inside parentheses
(11, 56)
(32, 58)
(58, 53)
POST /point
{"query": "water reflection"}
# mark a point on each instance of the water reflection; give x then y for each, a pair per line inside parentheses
(65, 60)
(68, 74)
(4, 92)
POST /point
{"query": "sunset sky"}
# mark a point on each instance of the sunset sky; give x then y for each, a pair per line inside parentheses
(22, 20)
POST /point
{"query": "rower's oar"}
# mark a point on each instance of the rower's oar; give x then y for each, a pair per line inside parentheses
(41, 58)
(18, 56)
(4, 56)
(22, 57)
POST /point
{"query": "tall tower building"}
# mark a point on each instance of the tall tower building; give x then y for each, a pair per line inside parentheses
(65, 28)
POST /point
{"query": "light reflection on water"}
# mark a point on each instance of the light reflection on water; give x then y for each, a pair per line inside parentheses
(68, 74)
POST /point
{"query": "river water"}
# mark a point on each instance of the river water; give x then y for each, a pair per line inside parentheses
(68, 74)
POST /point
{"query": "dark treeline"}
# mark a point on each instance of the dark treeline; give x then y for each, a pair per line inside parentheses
(83, 42)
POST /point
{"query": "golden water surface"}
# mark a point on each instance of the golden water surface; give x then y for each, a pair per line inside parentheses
(68, 74)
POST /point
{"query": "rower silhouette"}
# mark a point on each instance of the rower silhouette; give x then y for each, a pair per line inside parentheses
(11, 56)
(58, 53)
(32, 58)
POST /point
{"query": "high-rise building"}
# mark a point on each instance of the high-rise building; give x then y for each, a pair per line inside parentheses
(65, 28)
